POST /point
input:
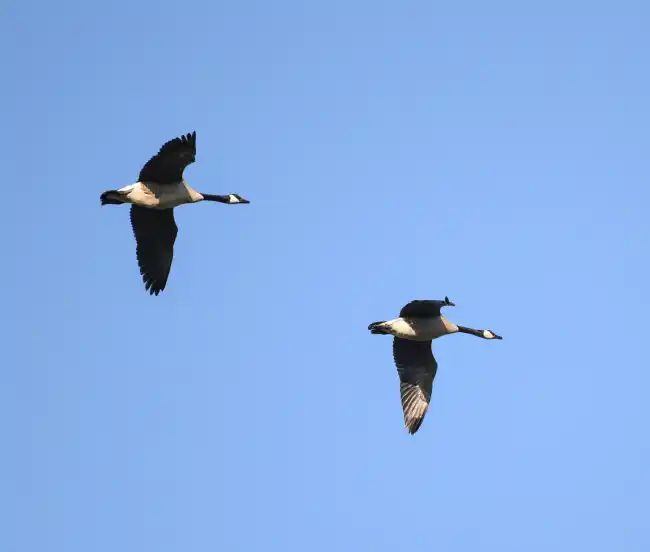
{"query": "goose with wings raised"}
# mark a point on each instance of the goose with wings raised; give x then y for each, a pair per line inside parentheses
(161, 187)
(418, 324)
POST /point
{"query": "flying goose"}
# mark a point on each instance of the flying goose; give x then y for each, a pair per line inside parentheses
(419, 323)
(160, 188)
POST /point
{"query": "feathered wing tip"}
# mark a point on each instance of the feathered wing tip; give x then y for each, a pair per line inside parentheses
(191, 138)
(417, 369)
(414, 405)
(167, 166)
(155, 232)
(184, 143)
(188, 140)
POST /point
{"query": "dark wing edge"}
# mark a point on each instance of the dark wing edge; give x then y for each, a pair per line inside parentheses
(155, 232)
(422, 308)
(416, 367)
(167, 166)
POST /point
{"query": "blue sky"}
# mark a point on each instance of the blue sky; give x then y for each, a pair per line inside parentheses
(390, 151)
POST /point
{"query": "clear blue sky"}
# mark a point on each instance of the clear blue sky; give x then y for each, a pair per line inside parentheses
(391, 151)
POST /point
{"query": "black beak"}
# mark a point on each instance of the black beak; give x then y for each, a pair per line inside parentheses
(449, 303)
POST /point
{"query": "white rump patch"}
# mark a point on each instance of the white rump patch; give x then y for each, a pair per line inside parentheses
(129, 188)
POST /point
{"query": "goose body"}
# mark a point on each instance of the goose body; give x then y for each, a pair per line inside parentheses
(419, 329)
(418, 324)
(159, 189)
(157, 196)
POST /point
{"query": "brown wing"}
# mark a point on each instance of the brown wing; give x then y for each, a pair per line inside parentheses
(155, 232)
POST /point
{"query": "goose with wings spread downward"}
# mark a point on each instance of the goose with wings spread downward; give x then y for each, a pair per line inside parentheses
(419, 323)
(160, 188)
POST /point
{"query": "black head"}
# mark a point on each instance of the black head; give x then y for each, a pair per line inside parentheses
(230, 199)
(448, 303)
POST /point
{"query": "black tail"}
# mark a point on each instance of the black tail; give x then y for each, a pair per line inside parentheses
(111, 197)
(376, 328)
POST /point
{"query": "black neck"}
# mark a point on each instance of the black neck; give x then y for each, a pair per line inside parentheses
(463, 329)
(219, 198)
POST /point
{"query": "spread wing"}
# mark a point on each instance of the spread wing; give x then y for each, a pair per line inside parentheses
(167, 166)
(155, 232)
(416, 367)
(426, 308)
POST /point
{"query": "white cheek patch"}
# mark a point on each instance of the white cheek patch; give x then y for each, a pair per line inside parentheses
(233, 199)
(487, 334)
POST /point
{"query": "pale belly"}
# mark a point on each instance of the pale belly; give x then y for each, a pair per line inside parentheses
(416, 329)
(156, 196)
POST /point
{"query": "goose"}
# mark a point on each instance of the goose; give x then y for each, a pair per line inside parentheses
(160, 188)
(419, 323)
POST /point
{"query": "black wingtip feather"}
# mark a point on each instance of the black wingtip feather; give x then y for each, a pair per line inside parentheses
(167, 166)
(151, 285)
(190, 138)
(155, 232)
(415, 425)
